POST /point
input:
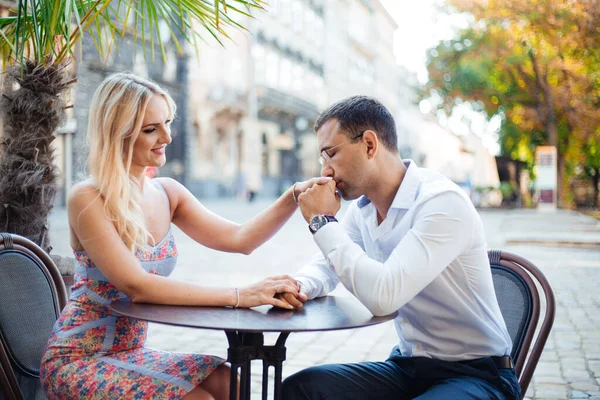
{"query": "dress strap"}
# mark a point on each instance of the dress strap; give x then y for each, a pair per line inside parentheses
(162, 189)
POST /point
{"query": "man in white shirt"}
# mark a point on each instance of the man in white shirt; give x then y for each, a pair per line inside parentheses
(412, 242)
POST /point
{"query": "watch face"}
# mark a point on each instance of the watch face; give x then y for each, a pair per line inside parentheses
(316, 222)
(313, 227)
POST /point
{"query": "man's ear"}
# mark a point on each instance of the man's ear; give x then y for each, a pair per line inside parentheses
(372, 142)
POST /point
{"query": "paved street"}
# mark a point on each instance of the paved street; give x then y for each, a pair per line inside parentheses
(564, 244)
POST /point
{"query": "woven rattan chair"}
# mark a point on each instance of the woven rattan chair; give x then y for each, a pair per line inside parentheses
(520, 286)
(33, 294)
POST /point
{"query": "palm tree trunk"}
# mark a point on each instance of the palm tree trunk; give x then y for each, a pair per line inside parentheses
(32, 108)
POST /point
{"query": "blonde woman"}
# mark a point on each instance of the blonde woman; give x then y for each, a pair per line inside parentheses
(120, 223)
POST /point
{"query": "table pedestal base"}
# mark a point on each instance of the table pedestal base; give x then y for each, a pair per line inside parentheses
(247, 346)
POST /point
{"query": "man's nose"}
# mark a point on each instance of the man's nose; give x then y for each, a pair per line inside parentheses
(326, 170)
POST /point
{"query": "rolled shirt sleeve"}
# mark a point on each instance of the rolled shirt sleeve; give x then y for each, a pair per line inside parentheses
(441, 230)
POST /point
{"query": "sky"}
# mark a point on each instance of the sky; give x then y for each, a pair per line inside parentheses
(421, 26)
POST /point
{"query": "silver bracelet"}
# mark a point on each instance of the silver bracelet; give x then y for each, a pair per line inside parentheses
(237, 296)
(294, 193)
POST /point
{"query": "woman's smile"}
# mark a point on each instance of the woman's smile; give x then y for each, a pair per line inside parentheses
(159, 150)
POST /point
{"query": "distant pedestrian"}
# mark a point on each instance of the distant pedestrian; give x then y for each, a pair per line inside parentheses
(253, 184)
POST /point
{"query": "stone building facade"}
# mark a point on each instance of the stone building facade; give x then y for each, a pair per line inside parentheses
(246, 107)
(254, 101)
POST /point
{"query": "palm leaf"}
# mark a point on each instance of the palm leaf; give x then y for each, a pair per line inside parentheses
(46, 31)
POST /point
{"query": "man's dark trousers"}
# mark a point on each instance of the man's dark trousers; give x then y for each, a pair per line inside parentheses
(401, 378)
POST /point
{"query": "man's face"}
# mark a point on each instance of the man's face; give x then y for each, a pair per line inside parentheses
(344, 160)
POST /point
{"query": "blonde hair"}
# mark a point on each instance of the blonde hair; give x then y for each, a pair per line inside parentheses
(116, 116)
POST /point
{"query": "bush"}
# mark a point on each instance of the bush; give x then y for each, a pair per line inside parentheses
(508, 190)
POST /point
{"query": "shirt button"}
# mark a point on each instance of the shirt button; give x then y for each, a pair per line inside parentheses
(404, 321)
(418, 347)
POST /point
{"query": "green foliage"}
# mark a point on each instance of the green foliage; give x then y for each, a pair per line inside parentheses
(536, 64)
(46, 31)
(507, 189)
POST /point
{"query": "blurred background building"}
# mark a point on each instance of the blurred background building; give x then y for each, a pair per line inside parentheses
(255, 100)
(246, 107)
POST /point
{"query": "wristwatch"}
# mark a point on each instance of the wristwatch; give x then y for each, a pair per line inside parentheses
(318, 221)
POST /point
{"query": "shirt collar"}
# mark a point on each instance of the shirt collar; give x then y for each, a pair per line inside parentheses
(407, 192)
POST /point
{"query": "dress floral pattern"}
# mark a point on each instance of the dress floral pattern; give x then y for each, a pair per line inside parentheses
(93, 353)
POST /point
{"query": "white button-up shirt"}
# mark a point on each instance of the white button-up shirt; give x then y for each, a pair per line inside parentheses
(427, 259)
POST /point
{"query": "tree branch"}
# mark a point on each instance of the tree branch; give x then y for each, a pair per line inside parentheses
(550, 122)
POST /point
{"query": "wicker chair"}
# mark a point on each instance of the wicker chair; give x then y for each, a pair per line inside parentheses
(519, 298)
(33, 294)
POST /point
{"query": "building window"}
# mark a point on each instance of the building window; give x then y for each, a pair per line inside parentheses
(272, 68)
(164, 32)
(286, 13)
(170, 70)
(359, 19)
(310, 26)
(139, 65)
(236, 79)
(273, 7)
(318, 81)
(297, 16)
(286, 74)
(317, 27)
(258, 54)
(299, 74)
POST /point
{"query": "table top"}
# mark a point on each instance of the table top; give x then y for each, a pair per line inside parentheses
(322, 314)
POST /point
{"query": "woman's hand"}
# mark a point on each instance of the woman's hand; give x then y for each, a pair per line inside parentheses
(301, 187)
(264, 292)
(322, 199)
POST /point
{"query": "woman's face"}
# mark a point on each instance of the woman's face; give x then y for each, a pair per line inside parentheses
(154, 136)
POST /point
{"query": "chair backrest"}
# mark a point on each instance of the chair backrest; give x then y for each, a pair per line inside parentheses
(33, 294)
(519, 285)
(6, 390)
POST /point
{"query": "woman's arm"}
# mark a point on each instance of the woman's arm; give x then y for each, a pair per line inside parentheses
(218, 233)
(98, 236)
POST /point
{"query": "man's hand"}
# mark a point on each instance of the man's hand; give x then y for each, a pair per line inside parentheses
(289, 298)
(319, 199)
(266, 291)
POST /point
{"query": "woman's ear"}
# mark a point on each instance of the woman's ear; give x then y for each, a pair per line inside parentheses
(372, 142)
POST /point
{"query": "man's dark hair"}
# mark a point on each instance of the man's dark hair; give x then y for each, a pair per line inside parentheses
(357, 114)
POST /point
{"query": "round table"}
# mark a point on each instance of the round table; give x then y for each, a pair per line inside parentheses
(245, 329)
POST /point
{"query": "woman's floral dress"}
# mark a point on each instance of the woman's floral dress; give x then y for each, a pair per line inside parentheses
(95, 354)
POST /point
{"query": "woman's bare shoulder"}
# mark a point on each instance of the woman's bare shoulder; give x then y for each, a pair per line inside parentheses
(173, 188)
(169, 183)
(82, 194)
(87, 184)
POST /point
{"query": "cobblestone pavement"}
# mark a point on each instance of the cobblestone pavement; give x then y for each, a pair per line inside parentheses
(565, 245)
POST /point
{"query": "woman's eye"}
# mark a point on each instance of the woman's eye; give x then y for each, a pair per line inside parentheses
(149, 130)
